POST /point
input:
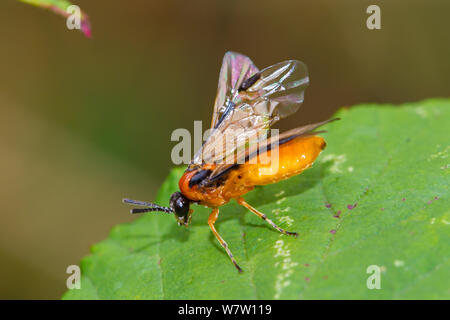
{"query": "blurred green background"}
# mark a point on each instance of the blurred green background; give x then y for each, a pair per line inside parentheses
(85, 122)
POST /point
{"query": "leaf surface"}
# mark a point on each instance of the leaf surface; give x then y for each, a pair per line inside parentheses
(378, 195)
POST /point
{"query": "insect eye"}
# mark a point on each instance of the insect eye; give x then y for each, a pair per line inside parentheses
(179, 204)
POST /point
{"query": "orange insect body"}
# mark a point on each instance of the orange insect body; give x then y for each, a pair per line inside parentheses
(213, 196)
(293, 157)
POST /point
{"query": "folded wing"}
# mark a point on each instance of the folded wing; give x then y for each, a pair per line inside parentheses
(248, 103)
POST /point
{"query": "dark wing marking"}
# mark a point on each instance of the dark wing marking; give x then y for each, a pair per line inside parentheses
(249, 82)
(199, 177)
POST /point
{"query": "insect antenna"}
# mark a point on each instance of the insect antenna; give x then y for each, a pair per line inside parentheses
(151, 206)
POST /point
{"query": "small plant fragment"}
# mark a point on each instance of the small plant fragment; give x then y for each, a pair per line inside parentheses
(60, 8)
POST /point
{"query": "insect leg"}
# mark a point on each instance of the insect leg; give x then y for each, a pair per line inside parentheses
(242, 202)
(211, 220)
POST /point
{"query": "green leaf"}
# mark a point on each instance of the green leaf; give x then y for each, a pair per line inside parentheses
(378, 195)
(60, 7)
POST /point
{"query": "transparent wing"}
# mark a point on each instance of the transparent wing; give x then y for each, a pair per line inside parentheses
(248, 104)
(236, 68)
(279, 91)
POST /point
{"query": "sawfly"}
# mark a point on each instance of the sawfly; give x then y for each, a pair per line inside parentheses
(248, 102)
